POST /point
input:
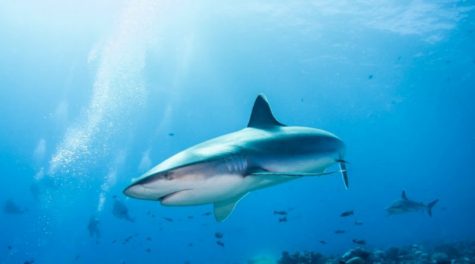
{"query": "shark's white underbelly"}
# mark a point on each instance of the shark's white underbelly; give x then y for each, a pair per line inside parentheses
(221, 188)
(229, 182)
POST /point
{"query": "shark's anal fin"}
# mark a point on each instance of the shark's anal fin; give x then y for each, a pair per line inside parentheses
(261, 116)
(223, 209)
(404, 196)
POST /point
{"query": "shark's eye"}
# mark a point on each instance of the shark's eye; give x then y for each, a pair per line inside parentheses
(168, 175)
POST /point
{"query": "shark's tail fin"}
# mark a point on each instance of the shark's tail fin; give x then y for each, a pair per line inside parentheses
(344, 172)
(430, 206)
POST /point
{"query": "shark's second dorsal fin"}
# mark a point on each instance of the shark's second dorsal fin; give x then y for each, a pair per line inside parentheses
(261, 116)
(404, 196)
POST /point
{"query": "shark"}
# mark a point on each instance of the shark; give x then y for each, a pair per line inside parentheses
(222, 170)
(405, 205)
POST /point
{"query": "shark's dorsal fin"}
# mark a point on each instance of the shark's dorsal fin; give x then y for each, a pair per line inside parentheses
(223, 209)
(404, 196)
(261, 116)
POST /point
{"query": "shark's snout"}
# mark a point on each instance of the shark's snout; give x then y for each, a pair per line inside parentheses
(152, 188)
(136, 191)
(143, 191)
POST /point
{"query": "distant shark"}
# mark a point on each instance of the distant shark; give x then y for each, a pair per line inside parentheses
(222, 170)
(404, 205)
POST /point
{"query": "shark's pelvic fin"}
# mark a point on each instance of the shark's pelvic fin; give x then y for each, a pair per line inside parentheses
(261, 116)
(223, 209)
(404, 196)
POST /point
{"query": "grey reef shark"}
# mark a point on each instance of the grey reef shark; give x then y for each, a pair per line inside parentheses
(405, 205)
(224, 169)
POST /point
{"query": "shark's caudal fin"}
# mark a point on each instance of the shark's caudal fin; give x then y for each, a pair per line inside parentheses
(261, 116)
(223, 209)
(430, 206)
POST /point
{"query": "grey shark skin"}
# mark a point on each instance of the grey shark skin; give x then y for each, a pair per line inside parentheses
(222, 170)
(404, 205)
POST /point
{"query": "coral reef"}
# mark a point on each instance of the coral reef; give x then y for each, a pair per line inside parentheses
(302, 258)
(446, 253)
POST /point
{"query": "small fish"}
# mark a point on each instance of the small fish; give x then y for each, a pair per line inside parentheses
(148, 250)
(207, 214)
(127, 239)
(283, 219)
(280, 212)
(347, 213)
(220, 243)
(168, 219)
(218, 235)
(370, 76)
(190, 244)
(114, 241)
(9, 247)
(323, 242)
(148, 238)
(171, 134)
(190, 217)
(339, 231)
(359, 242)
(29, 261)
(151, 214)
(358, 223)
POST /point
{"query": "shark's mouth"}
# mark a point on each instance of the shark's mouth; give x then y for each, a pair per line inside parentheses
(170, 195)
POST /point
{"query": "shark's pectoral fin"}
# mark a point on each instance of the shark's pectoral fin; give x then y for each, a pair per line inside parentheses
(223, 209)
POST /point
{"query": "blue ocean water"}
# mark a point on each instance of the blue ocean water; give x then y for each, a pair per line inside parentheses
(93, 94)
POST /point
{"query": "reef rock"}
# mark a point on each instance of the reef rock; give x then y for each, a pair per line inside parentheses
(355, 260)
(357, 252)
